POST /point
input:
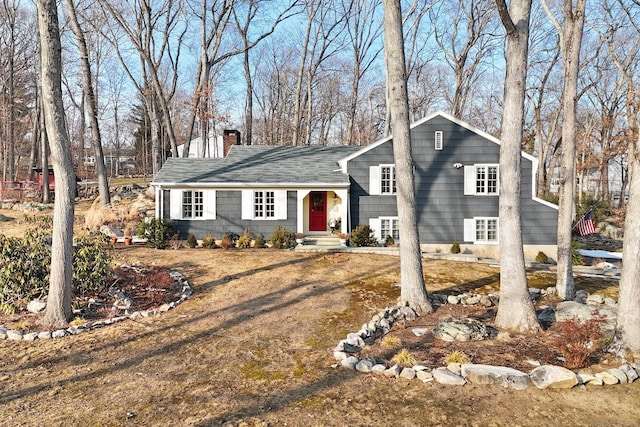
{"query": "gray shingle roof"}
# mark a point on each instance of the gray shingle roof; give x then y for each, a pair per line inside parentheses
(261, 165)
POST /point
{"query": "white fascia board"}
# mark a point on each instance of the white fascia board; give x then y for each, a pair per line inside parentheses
(291, 186)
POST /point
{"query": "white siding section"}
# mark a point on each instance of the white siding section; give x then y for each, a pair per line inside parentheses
(247, 204)
(469, 230)
(374, 223)
(469, 180)
(281, 204)
(374, 180)
(175, 204)
(209, 200)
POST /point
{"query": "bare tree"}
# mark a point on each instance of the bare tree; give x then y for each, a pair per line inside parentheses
(58, 311)
(364, 31)
(515, 311)
(570, 41)
(91, 103)
(413, 289)
(628, 319)
(467, 38)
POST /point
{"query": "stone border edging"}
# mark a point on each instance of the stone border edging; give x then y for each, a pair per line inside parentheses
(545, 376)
(185, 293)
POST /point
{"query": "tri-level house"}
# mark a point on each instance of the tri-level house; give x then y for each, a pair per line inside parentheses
(314, 189)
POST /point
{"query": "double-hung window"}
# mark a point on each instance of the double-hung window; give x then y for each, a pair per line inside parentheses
(264, 204)
(389, 227)
(486, 229)
(481, 180)
(192, 204)
(387, 179)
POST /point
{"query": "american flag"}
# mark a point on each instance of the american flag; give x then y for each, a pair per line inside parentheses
(586, 225)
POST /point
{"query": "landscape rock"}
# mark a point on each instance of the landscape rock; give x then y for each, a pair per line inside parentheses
(425, 376)
(30, 336)
(631, 373)
(12, 334)
(453, 299)
(551, 376)
(408, 373)
(586, 378)
(59, 333)
(44, 335)
(419, 331)
(465, 329)
(349, 362)
(445, 376)
(36, 306)
(607, 378)
(499, 375)
(3, 334)
(339, 355)
(619, 374)
(378, 369)
(365, 365)
(454, 367)
(567, 310)
(547, 316)
(393, 371)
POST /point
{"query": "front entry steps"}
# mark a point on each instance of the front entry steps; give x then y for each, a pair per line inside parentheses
(324, 241)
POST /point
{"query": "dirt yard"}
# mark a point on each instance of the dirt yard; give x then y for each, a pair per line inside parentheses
(253, 347)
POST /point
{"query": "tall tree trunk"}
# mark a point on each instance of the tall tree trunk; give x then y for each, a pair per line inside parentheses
(413, 289)
(58, 311)
(628, 320)
(92, 107)
(515, 311)
(571, 40)
(44, 156)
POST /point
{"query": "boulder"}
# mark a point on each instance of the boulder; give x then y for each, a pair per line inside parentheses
(393, 371)
(619, 374)
(349, 362)
(365, 365)
(586, 378)
(465, 329)
(550, 376)
(445, 376)
(631, 373)
(408, 373)
(607, 378)
(36, 306)
(499, 375)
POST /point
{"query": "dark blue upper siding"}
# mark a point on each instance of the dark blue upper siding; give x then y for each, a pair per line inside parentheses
(440, 200)
(228, 219)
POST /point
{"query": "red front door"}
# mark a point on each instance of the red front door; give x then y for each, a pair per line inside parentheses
(318, 211)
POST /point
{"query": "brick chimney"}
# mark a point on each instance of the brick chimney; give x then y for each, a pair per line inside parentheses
(229, 137)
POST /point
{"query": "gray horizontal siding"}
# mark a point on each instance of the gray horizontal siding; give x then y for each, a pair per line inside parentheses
(440, 201)
(229, 219)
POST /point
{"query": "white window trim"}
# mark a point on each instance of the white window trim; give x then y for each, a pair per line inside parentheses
(208, 204)
(248, 207)
(438, 144)
(470, 230)
(470, 180)
(393, 179)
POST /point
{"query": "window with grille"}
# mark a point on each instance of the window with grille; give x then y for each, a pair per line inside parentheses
(192, 204)
(387, 179)
(264, 204)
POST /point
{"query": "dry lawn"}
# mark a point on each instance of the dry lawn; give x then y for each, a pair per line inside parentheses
(252, 347)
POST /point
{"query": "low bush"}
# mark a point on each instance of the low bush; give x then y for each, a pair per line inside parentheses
(542, 258)
(244, 241)
(362, 235)
(389, 241)
(91, 266)
(157, 231)
(26, 264)
(259, 242)
(209, 243)
(227, 242)
(455, 248)
(191, 241)
(282, 238)
(576, 256)
(457, 357)
(577, 342)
